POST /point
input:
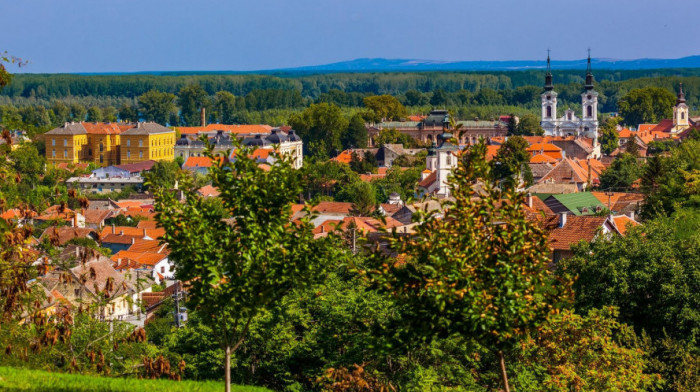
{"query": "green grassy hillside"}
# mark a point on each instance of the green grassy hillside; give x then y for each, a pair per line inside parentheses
(12, 379)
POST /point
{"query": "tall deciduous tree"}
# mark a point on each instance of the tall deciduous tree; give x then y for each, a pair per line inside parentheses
(622, 173)
(225, 106)
(356, 135)
(156, 106)
(609, 138)
(511, 162)
(646, 105)
(384, 107)
(237, 268)
(529, 125)
(191, 99)
(321, 126)
(479, 271)
(94, 114)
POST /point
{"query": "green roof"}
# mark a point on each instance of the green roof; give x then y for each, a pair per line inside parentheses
(576, 202)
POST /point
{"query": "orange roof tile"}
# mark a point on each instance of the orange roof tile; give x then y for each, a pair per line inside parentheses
(577, 228)
(145, 258)
(425, 183)
(208, 191)
(199, 162)
(235, 129)
(623, 222)
(344, 157)
(542, 158)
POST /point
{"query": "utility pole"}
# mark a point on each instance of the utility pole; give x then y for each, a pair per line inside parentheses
(176, 297)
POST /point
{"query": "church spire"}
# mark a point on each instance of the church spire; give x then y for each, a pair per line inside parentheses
(681, 96)
(589, 73)
(548, 86)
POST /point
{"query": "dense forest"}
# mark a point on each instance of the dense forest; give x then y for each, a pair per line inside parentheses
(38, 102)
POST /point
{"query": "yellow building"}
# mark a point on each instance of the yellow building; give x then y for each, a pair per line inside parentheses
(108, 144)
(147, 141)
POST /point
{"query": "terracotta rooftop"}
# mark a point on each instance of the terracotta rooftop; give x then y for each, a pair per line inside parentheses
(623, 222)
(234, 129)
(577, 228)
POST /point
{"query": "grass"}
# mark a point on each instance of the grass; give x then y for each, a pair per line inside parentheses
(14, 379)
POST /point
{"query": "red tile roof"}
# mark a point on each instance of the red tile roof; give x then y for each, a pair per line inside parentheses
(199, 162)
(234, 129)
(577, 228)
(623, 222)
(427, 181)
(208, 191)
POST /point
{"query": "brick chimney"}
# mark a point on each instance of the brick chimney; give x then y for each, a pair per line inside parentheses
(529, 199)
(204, 117)
(144, 233)
(113, 230)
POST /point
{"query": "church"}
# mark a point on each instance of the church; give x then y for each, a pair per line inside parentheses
(570, 124)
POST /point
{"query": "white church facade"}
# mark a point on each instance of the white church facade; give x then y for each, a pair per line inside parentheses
(570, 124)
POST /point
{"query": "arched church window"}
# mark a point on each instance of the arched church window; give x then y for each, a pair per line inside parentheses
(549, 111)
(569, 115)
(589, 110)
(682, 116)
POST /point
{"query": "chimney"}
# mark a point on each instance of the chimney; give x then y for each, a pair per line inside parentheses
(323, 229)
(75, 219)
(529, 199)
(121, 232)
(144, 232)
(133, 240)
(204, 117)
(631, 215)
(77, 252)
(113, 229)
(562, 219)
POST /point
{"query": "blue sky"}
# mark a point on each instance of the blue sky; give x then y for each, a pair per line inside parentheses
(143, 35)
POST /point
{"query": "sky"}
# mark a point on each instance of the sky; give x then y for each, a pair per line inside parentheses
(243, 35)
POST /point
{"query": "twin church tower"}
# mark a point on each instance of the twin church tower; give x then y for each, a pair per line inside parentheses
(569, 124)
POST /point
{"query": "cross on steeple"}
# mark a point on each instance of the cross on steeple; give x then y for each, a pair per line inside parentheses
(548, 86)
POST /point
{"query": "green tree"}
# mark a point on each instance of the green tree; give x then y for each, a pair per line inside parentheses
(480, 271)
(563, 352)
(156, 106)
(77, 112)
(61, 113)
(94, 114)
(321, 124)
(439, 98)
(631, 147)
(356, 135)
(609, 139)
(163, 174)
(512, 125)
(622, 173)
(109, 113)
(191, 99)
(365, 164)
(225, 106)
(529, 125)
(240, 268)
(646, 105)
(511, 162)
(128, 113)
(384, 108)
(416, 98)
(28, 163)
(362, 195)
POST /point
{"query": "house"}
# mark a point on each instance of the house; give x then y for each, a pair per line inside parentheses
(155, 260)
(208, 191)
(109, 143)
(95, 281)
(124, 171)
(63, 234)
(428, 129)
(95, 218)
(580, 203)
(61, 213)
(583, 173)
(199, 165)
(96, 185)
(117, 238)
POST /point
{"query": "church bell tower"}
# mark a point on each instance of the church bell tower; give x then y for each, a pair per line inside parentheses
(589, 105)
(549, 102)
(680, 113)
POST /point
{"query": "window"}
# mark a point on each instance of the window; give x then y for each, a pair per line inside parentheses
(65, 142)
(162, 270)
(549, 97)
(128, 142)
(53, 142)
(682, 115)
(448, 160)
(549, 111)
(65, 153)
(569, 115)
(589, 96)
(140, 143)
(589, 110)
(102, 147)
(102, 158)
(140, 154)
(53, 153)
(128, 154)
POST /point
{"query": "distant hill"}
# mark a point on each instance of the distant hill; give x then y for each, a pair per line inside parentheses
(409, 65)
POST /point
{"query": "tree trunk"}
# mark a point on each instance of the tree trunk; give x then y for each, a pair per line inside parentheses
(504, 375)
(227, 369)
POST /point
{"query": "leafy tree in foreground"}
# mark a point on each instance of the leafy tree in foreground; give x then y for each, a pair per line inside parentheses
(608, 135)
(511, 162)
(239, 267)
(479, 272)
(586, 353)
(623, 172)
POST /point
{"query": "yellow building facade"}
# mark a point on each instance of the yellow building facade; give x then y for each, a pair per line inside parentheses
(147, 141)
(106, 144)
